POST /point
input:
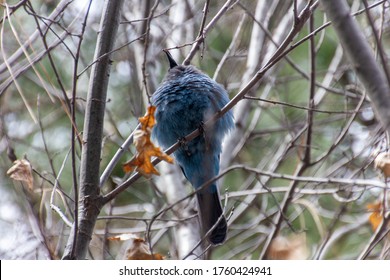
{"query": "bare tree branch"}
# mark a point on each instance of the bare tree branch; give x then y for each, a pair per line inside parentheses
(363, 60)
(90, 199)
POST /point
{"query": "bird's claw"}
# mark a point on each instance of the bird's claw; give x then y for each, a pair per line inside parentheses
(183, 143)
(202, 128)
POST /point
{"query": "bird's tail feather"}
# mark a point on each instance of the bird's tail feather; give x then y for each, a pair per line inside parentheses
(211, 215)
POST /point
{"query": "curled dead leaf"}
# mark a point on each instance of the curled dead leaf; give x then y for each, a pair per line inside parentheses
(142, 161)
(123, 237)
(376, 217)
(22, 171)
(137, 248)
(288, 248)
(382, 162)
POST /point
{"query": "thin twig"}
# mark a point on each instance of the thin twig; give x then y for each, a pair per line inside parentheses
(381, 51)
(231, 47)
(146, 46)
(309, 133)
(67, 105)
(344, 112)
(18, 87)
(115, 159)
(200, 38)
(56, 185)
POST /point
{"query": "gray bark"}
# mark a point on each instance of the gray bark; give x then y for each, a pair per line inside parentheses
(362, 58)
(90, 201)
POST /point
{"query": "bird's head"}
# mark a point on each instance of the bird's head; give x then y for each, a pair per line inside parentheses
(177, 70)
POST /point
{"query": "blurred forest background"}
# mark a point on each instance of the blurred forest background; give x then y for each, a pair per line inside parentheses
(298, 174)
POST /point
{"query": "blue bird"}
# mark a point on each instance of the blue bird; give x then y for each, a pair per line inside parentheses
(185, 100)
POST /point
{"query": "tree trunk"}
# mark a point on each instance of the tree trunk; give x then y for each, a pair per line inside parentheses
(90, 201)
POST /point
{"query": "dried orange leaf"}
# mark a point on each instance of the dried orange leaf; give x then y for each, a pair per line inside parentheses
(376, 217)
(382, 162)
(142, 161)
(148, 121)
(288, 248)
(123, 237)
(22, 171)
(137, 249)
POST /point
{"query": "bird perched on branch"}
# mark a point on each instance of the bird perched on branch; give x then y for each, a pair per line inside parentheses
(185, 100)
